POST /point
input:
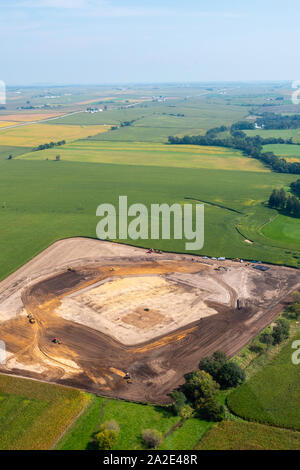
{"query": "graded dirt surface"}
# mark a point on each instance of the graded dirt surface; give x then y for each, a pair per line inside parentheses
(122, 310)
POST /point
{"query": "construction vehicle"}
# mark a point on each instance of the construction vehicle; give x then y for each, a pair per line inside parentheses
(70, 269)
(56, 341)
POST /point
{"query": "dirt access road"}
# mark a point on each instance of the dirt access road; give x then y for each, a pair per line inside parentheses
(121, 310)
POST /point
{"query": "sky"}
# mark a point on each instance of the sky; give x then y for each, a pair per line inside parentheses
(146, 41)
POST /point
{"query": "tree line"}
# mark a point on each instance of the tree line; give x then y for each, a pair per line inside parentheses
(49, 146)
(237, 139)
(288, 203)
(278, 121)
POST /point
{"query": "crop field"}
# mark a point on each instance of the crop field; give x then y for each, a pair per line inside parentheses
(283, 133)
(67, 206)
(290, 152)
(264, 397)
(35, 134)
(142, 153)
(33, 415)
(235, 435)
(28, 117)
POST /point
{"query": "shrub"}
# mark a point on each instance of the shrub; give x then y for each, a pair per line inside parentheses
(111, 425)
(186, 412)
(106, 439)
(152, 437)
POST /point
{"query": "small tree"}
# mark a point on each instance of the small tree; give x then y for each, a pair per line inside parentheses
(211, 410)
(106, 439)
(179, 401)
(281, 331)
(267, 338)
(199, 386)
(152, 437)
(231, 375)
(57, 158)
(186, 412)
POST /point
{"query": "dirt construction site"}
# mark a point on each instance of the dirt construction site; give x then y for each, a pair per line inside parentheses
(86, 312)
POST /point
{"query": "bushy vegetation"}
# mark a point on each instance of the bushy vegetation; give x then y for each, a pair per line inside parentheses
(226, 373)
(289, 203)
(152, 438)
(198, 395)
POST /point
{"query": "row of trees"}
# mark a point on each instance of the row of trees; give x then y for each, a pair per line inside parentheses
(288, 203)
(278, 121)
(279, 333)
(295, 187)
(251, 146)
(49, 146)
(198, 395)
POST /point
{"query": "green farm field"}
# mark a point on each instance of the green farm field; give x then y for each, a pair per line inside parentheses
(42, 201)
(283, 133)
(236, 435)
(290, 152)
(33, 415)
(271, 396)
(154, 154)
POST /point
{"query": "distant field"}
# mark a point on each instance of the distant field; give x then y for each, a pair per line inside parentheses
(5, 151)
(155, 121)
(271, 396)
(35, 134)
(7, 123)
(141, 153)
(33, 415)
(28, 117)
(235, 435)
(290, 152)
(131, 417)
(283, 133)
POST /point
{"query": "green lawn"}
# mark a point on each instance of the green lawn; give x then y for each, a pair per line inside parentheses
(236, 435)
(33, 415)
(131, 417)
(271, 396)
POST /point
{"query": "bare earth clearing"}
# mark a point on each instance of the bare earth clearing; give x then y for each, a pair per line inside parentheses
(120, 309)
